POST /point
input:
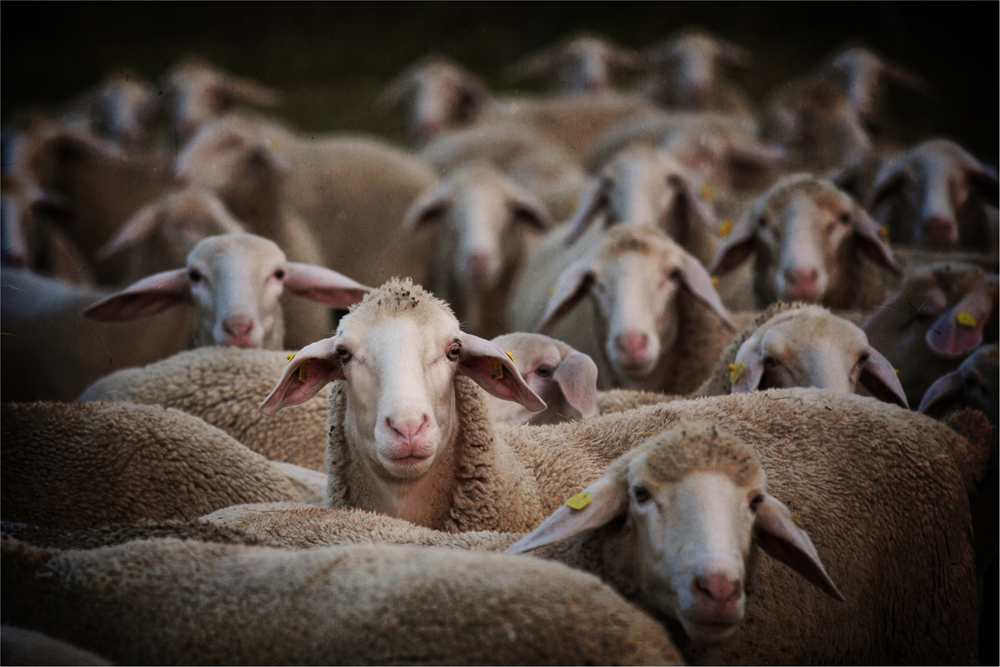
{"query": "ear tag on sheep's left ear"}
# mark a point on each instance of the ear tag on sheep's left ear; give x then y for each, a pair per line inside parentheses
(510, 356)
(883, 233)
(496, 370)
(735, 371)
(290, 355)
(579, 501)
(706, 193)
(966, 319)
(725, 228)
(304, 371)
(796, 521)
(715, 283)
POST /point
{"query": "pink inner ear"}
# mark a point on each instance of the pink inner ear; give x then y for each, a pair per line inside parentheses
(937, 395)
(881, 380)
(569, 289)
(297, 384)
(577, 377)
(735, 249)
(489, 366)
(322, 284)
(135, 230)
(951, 338)
(753, 368)
(147, 297)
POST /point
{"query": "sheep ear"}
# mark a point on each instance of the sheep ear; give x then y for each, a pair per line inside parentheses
(749, 376)
(959, 330)
(429, 207)
(490, 367)
(736, 248)
(608, 499)
(946, 387)
(139, 227)
(735, 54)
(866, 234)
(780, 535)
(141, 299)
(699, 283)
(395, 93)
(697, 210)
(577, 379)
(887, 187)
(879, 377)
(248, 90)
(985, 180)
(322, 284)
(536, 64)
(572, 285)
(526, 207)
(905, 77)
(311, 369)
(593, 200)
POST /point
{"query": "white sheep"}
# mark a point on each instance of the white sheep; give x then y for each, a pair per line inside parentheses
(235, 282)
(485, 227)
(336, 200)
(937, 195)
(940, 315)
(121, 108)
(811, 242)
(183, 601)
(640, 305)
(578, 64)
(223, 386)
(71, 465)
(197, 91)
(565, 379)
(688, 64)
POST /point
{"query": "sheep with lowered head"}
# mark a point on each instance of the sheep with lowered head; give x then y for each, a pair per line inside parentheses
(972, 384)
(811, 242)
(187, 602)
(70, 465)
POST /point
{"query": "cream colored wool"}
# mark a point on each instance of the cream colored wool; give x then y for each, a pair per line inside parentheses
(68, 465)
(224, 386)
(27, 647)
(183, 602)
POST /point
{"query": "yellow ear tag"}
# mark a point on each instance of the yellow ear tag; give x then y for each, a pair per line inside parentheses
(552, 290)
(706, 193)
(966, 319)
(725, 228)
(303, 371)
(579, 501)
(510, 356)
(735, 371)
(290, 355)
(796, 521)
(896, 370)
(715, 283)
(883, 232)
(275, 144)
(496, 370)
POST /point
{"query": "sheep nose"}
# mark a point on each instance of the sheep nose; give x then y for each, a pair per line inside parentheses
(181, 181)
(938, 230)
(409, 430)
(632, 344)
(717, 587)
(238, 331)
(478, 266)
(802, 284)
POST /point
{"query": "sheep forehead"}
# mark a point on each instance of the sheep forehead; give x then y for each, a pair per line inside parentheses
(801, 188)
(692, 448)
(641, 240)
(399, 298)
(245, 249)
(813, 322)
(529, 346)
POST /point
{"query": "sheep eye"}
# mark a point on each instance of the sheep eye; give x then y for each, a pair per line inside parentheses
(280, 274)
(755, 502)
(453, 352)
(844, 218)
(674, 181)
(769, 362)
(543, 371)
(675, 274)
(863, 359)
(344, 354)
(194, 275)
(641, 494)
(762, 221)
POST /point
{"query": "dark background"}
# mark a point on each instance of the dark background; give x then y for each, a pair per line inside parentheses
(331, 59)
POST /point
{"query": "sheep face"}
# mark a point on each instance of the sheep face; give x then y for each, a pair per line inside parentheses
(122, 110)
(563, 377)
(807, 235)
(399, 352)
(648, 187)
(810, 347)
(973, 384)
(692, 500)
(935, 195)
(634, 278)
(579, 65)
(235, 282)
(938, 317)
(691, 62)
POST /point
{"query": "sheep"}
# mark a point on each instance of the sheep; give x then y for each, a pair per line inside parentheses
(71, 465)
(486, 224)
(937, 195)
(235, 282)
(19, 646)
(223, 386)
(861, 74)
(196, 91)
(800, 345)
(938, 317)
(973, 384)
(579, 64)
(122, 108)
(688, 63)
(857, 473)
(565, 379)
(812, 243)
(176, 601)
(654, 320)
(338, 198)
(815, 124)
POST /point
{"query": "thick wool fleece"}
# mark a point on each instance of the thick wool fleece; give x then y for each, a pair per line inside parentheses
(68, 465)
(496, 487)
(184, 602)
(224, 386)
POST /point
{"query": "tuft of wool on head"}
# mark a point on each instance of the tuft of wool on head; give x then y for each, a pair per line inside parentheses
(699, 447)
